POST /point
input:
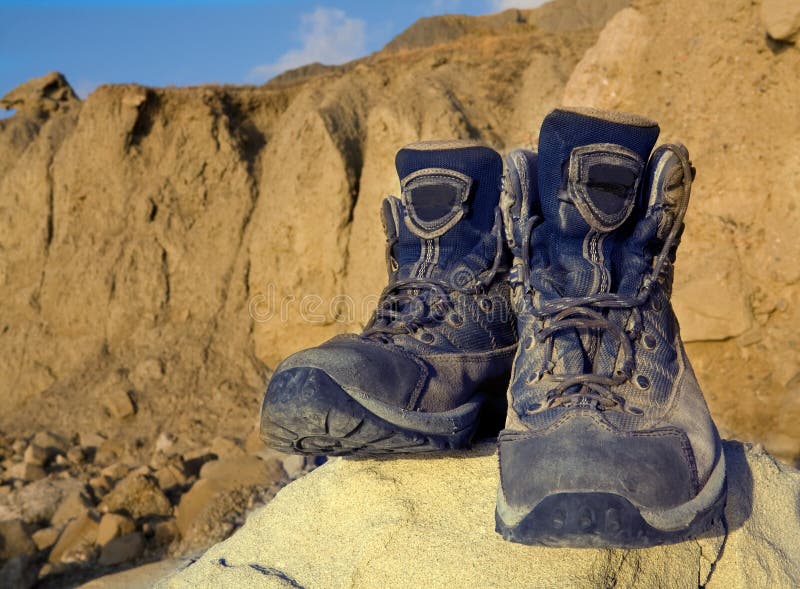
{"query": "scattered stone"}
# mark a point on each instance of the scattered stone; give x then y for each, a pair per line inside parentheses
(162, 532)
(74, 505)
(172, 474)
(76, 455)
(115, 471)
(23, 471)
(294, 465)
(37, 503)
(165, 442)
(18, 447)
(92, 440)
(14, 539)
(100, 484)
(122, 549)
(61, 460)
(46, 537)
(781, 18)
(224, 447)
(113, 525)
(36, 455)
(51, 442)
(77, 540)
(137, 495)
(244, 471)
(118, 403)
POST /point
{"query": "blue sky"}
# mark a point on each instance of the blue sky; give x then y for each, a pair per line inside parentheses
(182, 42)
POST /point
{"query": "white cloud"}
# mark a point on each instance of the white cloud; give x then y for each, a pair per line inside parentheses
(328, 36)
(499, 5)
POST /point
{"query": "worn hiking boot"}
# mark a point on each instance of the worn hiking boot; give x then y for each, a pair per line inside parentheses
(442, 339)
(608, 440)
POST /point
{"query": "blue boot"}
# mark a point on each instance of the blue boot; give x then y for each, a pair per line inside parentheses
(440, 345)
(608, 440)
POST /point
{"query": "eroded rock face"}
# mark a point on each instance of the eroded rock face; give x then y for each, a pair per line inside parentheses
(162, 249)
(430, 523)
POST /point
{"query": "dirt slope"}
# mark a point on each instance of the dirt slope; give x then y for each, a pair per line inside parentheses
(142, 230)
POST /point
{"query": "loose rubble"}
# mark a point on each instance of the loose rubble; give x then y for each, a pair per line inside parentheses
(70, 506)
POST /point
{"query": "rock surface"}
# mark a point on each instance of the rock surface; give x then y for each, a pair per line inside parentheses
(781, 19)
(430, 523)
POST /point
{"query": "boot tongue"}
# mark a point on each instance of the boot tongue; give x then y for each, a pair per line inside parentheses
(449, 192)
(590, 166)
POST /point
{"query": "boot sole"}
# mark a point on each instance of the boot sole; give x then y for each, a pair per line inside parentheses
(306, 412)
(608, 520)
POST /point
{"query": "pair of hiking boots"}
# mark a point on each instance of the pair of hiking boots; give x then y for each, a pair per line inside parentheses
(549, 279)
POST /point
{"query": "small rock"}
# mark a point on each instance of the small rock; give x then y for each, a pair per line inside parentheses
(76, 455)
(51, 442)
(36, 455)
(162, 532)
(118, 403)
(781, 18)
(37, 503)
(139, 496)
(195, 460)
(101, 484)
(91, 440)
(113, 525)
(115, 471)
(45, 537)
(14, 540)
(74, 505)
(19, 446)
(19, 572)
(224, 447)
(76, 541)
(243, 471)
(61, 460)
(294, 465)
(122, 549)
(26, 472)
(172, 474)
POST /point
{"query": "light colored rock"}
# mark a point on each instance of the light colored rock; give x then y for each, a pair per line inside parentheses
(76, 542)
(243, 471)
(429, 522)
(14, 539)
(36, 455)
(143, 577)
(74, 505)
(113, 525)
(45, 537)
(38, 502)
(294, 465)
(224, 447)
(26, 472)
(122, 549)
(781, 18)
(164, 442)
(139, 496)
(147, 372)
(50, 441)
(118, 403)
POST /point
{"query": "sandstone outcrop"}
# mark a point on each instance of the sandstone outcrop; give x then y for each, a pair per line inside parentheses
(430, 523)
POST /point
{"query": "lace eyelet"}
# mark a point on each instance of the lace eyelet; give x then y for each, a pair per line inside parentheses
(426, 337)
(656, 305)
(530, 341)
(533, 408)
(648, 342)
(485, 304)
(642, 382)
(635, 410)
(455, 320)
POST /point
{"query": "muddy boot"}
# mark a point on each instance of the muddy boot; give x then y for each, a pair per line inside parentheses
(608, 440)
(438, 349)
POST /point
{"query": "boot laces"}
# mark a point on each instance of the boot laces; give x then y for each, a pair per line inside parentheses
(591, 389)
